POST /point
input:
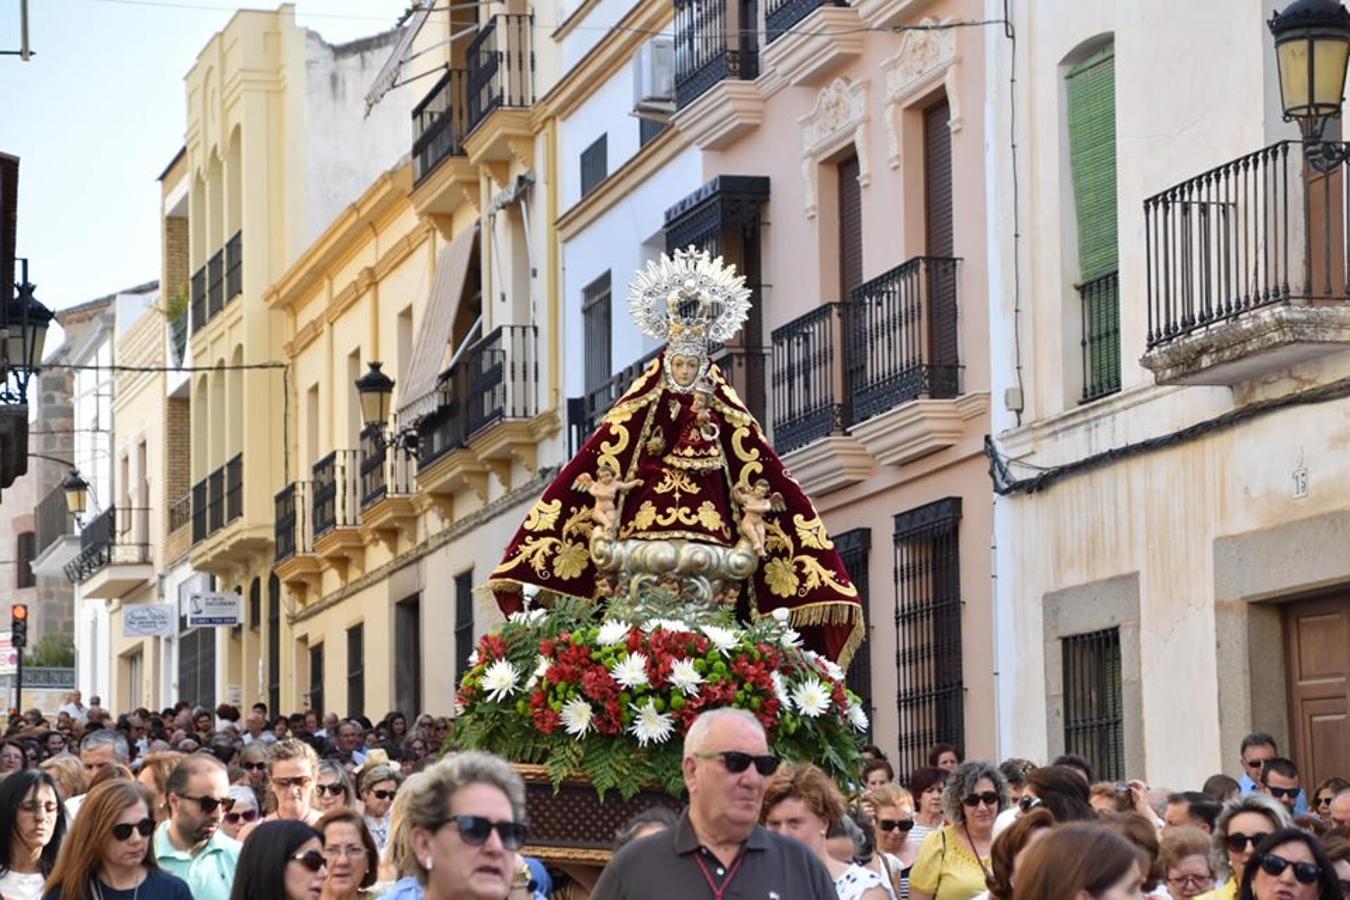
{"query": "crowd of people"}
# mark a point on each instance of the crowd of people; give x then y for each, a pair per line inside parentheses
(190, 803)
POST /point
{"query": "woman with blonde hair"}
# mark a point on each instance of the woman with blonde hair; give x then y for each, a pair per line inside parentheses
(69, 774)
(109, 854)
(894, 821)
(1187, 867)
(332, 787)
(291, 768)
(154, 774)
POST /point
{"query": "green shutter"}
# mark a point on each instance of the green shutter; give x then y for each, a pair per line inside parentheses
(1092, 158)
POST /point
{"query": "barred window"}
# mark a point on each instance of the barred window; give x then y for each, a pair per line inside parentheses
(596, 317)
(594, 164)
(853, 547)
(930, 692)
(356, 671)
(463, 623)
(1093, 705)
(316, 678)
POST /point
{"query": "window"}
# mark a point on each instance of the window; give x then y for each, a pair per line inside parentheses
(930, 692)
(1093, 705)
(649, 130)
(356, 671)
(1091, 96)
(274, 644)
(853, 547)
(408, 650)
(316, 678)
(594, 164)
(196, 656)
(255, 604)
(596, 316)
(463, 623)
(24, 551)
(850, 227)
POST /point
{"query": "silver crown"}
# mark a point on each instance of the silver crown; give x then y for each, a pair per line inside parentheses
(690, 300)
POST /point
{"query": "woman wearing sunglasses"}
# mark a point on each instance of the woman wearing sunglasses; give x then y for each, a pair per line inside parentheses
(953, 863)
(109, 854)
(894, 822)
(1325, 793)
(466, 823)
(253, 760)
(243, 812)
(291, 766)
(801, 801)
(1289, 865)
(281, 860)
(1242, 825)
(154, 773)
(32, 824)
(350, 854)
(332, 787)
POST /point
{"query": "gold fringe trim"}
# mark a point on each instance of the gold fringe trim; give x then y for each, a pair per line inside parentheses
(833, 612)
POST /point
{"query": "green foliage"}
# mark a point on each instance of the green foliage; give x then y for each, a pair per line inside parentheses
(53, 651)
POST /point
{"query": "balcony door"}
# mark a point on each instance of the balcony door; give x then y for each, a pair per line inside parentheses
(1317, 633)
(939, 240)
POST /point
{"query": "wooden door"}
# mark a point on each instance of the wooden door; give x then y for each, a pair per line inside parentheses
(1317, 634)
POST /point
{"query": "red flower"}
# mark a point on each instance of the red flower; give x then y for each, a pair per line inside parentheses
(546, 720)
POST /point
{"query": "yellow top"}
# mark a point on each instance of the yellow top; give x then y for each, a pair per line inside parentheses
(947, 868)
(1225, 891)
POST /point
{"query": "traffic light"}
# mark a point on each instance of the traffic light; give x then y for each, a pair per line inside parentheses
(18, 626)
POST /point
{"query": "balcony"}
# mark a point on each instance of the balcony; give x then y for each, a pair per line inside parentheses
(503, 421)
(715, 65)
(501, 80)
(599, 400)
(337, 507)
(806, 40)
(179, 539)
(442, 172)
(218, 499)
(1247, 269)
(217, 283)
(113, 560)
(388, 476)
(234, 266)
(745, 370)
(295, 562)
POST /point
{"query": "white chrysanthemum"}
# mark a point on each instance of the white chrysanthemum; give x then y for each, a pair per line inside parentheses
(685, 678)
(651, 726)
(780, 690)
(540, 670)
(527, 616)
(856, 716)
(631, 671)
(665, 625)
(576, 717)
(500, 680)
(790, 638)
(613, 633)
(782, 615)
(724, 640)
(473, 658)
(811, 698)
(832, 669)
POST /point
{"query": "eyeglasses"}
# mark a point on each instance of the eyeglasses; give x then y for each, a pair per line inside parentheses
(737, 762)
(1305, 872)
(893, 824)
(1027, 803)
(122, 831)
(33, 808)
(988, 798)
(1281, 793)
(248, 815)
(300, 781)
(310, 859)
(332, 790)
(381, 794)
(1254, 763)
(1195, 881)
(474, 831)
(1325, 800)
(1238, 842)
(254, 767)
(209, 804)
(351, 851)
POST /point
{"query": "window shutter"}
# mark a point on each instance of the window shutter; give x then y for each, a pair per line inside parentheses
(1092, 159)
(850, 227)
(937, 176)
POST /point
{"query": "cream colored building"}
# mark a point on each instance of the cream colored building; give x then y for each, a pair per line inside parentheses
(1170, 555)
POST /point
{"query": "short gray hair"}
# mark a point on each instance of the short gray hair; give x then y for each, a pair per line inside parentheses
(338, 771)
(373, 775)
(242, 794)
(106, 737)
(694, 737)
(961, 784)
(1251, 803)
(430, 793)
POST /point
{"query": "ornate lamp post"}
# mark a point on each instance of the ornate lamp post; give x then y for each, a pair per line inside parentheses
(76, 490)
(375, 389)
(1312, 46)
(23, 335)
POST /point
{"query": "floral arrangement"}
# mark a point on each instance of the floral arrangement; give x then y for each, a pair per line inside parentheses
(611, 699)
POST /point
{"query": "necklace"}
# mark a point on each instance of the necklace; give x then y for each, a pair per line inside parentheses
(136, 892)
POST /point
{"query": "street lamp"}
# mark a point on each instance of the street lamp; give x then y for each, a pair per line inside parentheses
(375, 389)
(1312, 45)
(77, 492)
(23, 334)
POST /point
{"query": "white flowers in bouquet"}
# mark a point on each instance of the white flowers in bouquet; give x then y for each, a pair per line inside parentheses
(613, 632)
(499, 681)
(811, 698)
(724, 640)
(685, 678)
(631, 671)
(577, 717)
(651, 726)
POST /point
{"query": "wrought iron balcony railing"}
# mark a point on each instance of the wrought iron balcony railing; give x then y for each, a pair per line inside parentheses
(385, 471)
(180, 513)
(105, 541)
(218, 499)
(501, 66)
(218, 282)
(53, 519)
(1101, 336)
(201, 492)
(215, 284)
(503, 374)
(781, 15)
(337, 485)
(234, 266)
(745, 369)
(1260, 230)
(440, 122)
(294, 524)
(444, 430)
(708, 51)
(198, 302)
(600, 399)
(808, 397)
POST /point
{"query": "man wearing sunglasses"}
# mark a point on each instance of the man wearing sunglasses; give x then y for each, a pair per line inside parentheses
(1257, 749)
(191, 844)
(718, 848)
(1279, 781)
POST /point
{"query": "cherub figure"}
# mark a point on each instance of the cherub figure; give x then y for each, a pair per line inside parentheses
(606, 488)
(701, 405)
(756, 503)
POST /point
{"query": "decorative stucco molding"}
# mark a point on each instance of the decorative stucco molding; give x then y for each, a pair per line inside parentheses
(925, 59)
(839, 116)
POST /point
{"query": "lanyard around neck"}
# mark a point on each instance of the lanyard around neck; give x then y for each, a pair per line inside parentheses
(719, 892)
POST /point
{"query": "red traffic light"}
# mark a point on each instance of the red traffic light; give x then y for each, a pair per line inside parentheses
(19, 611)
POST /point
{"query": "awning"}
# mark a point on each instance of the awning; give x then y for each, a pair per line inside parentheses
(392, 70)
(418, 395)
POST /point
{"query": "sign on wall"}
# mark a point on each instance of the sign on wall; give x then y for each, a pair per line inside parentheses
(214, 610)
(9, 657)
(148, 620)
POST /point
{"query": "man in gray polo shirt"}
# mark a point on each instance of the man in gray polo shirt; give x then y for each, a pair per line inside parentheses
(718, 849)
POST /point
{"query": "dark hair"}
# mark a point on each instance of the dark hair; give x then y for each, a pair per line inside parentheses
(1007, 845)
(348, 816)
(924, 778)
(1074, 761)
(262, 862)
(1328, 886)
(185, 768)
(15, 789)
(1258, 739)
(1015, 771)
(1063, 791)
(1198, 806)
(655, 815)
(873, 751)
(872, 765)
(1072, 859)
(1140, 832)
(935, 753)
(1280, 766)
(1220, 787)
(227, 712)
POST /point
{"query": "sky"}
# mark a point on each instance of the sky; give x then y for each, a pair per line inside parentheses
(99, 112)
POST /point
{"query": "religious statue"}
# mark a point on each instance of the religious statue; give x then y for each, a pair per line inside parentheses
(688, 496)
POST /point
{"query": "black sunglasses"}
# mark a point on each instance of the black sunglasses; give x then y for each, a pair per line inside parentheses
(475, 830)
(331, 790)
(122, 831)
(1305, 872)
(247, 815)
(382, 794)
(1237, 842)
(255, 767)
(1281, 793)
(988, 798)
(1027, 803)
(209, 804)
(310, 859)
(893, 824)
(737, 762)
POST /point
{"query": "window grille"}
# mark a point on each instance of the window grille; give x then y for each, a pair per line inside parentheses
(316, 679)
(594, 164)
(1093, 706)
(854, 547)
(356, 671)
(597, 316)
(463, 623)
